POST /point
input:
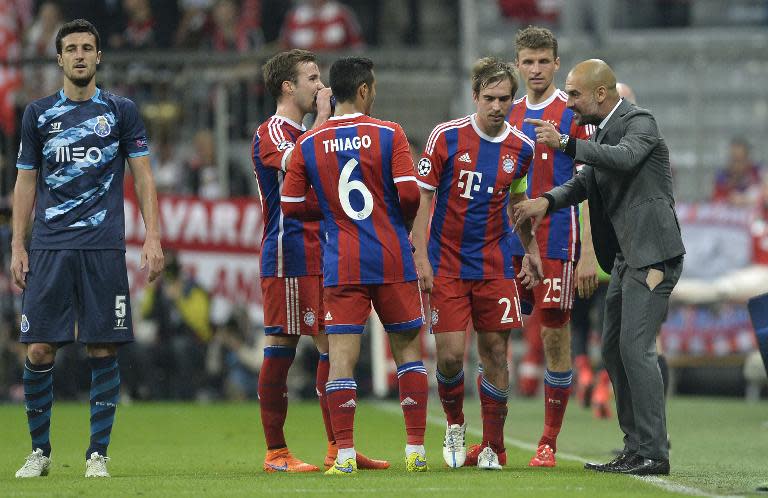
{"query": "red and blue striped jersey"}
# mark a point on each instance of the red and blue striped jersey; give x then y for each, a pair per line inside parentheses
(558, 233)
(470, 234)
(289, 247)
(353, 163)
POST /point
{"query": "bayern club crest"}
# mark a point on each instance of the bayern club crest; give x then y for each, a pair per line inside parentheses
(508, 164)
(24, 324)
(435, 317)
(309, 318)
(102, 128)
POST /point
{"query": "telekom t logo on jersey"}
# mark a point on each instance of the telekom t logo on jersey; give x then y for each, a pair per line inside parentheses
(471, 184)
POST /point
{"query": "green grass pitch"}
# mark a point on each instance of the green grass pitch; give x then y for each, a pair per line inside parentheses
(719, 447)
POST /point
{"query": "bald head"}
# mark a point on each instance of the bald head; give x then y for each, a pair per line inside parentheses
(594, 73)
(625, 91)
(591, 89)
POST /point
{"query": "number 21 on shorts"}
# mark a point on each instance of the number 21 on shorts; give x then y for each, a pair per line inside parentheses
(508, 303)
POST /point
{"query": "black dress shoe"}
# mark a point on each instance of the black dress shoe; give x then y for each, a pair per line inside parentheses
(645, 467)
(613, 465)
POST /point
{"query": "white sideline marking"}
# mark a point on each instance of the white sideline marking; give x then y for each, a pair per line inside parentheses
(659, 482)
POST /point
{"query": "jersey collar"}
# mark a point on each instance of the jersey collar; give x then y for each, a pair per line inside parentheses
(542, 105)
(346, 116)
(500, 138)
(291, 122)
(96, 97)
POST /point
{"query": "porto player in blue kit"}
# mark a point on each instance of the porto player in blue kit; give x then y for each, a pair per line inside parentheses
(71, 161)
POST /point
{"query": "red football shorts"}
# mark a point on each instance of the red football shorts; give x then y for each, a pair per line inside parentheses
(398, 305)
(556, 289)
(292, 305)
(493, 305)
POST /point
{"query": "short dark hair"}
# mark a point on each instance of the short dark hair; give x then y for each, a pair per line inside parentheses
(742, 142)
(490, 70)
(347, 74)
(77, 26)
(535, 38)
(284, 67)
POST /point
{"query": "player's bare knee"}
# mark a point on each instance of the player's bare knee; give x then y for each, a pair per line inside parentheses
(284, 340)
(101, 350)
(450, 363)
(493, 356)
(41, 353)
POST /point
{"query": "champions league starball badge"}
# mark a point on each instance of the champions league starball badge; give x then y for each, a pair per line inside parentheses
(435, 317)
(424, 166)
(102, 127)
(24, 324)
(285, 145)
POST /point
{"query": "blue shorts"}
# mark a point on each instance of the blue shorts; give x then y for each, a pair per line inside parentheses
(67, 286)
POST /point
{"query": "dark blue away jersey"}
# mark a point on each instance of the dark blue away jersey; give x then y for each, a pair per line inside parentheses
(79, 150)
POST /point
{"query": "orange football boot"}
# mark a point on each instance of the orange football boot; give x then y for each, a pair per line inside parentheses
(281, 460)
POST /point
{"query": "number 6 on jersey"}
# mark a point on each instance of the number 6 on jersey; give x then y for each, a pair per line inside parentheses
(345, 189)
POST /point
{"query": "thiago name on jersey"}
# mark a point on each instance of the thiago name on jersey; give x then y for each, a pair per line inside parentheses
(349, 143)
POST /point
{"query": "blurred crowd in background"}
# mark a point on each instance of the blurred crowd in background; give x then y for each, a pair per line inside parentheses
(202, 152)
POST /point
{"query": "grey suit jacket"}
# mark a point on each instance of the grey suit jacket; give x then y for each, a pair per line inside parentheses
(628, 182)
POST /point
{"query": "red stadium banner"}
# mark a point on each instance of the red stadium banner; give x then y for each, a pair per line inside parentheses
(218, 242)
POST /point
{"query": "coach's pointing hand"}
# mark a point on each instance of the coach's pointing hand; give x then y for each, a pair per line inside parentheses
(546, 133)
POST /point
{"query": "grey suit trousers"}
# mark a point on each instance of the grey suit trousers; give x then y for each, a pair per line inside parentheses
(633, 317)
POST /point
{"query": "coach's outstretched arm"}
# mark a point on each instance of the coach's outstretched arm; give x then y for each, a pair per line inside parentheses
(532, 270)
(152, 251)
(640, 139)
(570, 193)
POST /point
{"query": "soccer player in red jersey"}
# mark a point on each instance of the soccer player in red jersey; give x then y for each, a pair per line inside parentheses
(475, 168)
(558, 235)
(362, 172)
(291, 261)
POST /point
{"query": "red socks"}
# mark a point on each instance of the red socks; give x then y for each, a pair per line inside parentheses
(557, 390)
(341, 396)
(451, 392)
(412, 379)
(273, 393)
(320, 381)
(493, 407)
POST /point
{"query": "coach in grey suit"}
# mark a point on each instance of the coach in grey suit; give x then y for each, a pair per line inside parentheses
(628, 183)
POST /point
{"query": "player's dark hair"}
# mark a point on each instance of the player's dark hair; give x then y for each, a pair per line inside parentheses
(77, 26)
(284, 67)
(535, 38)
(347, 74)
(490, 70)
(742, 142)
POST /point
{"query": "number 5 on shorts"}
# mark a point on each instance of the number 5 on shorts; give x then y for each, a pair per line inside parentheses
(121, 310)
